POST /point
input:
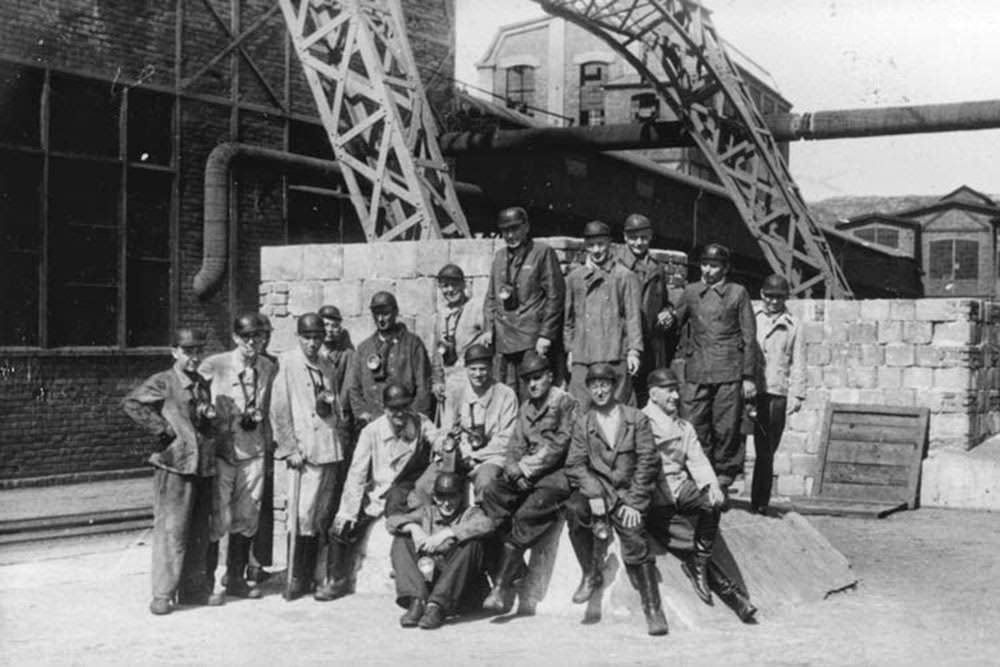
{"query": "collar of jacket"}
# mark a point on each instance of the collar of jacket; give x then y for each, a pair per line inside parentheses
(533, 413)
(400, 445)
(782, 319)
(182, 377)
(239, 365)
(470, 396)
(521, 250)
(720, 287)
(669, 426)
(625, 420)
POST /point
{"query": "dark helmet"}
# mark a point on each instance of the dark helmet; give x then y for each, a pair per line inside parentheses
(601, 371)
(449, 485)
(715, 252)
(595, 228)
(265, 321)
(511, 217)
(775, 285)
(478, 352)
(248, 322)
(533, 363)
(662, 377)
(396, 395)
(310, 323)
(186, 337)
(451, 272)
(384, 300)
(636, 223)
(330, 313)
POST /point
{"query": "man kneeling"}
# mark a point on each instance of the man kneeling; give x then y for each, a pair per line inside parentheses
(437, 555)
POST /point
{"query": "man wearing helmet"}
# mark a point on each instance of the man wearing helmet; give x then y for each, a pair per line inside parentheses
(459, 325)
(337, 346)
(719, 360)
(392, 452)
(241, 392)
(305, 414)
(390, 354)
(437, 555)
(524, 299)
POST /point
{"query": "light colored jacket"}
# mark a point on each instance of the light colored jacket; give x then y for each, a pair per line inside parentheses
(681, 455)
(468, 330)
(296, 425)
(224, 371)
(496, 409)
(777, 352)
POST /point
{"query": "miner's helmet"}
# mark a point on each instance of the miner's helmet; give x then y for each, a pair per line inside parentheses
(533, 364)
(715, 252)
(511, 217)
(310, 323)
(662, 377)
(636, 223)
(330, 313)
(775, 285)
(449, 486)
(188, 337)
(397, 395)
(601, 371)
(478, 352)
(383, 301)
(596, 228)
(247, 323)
(450, 272)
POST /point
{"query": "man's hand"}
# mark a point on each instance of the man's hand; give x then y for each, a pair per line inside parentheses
(794, 404)
(342, 525)
(749, 390)
(665, 318)
(512, 471)
(486, 338)
(715, 495)
(632, 362)
(419, 536)
(629, 516)
(295, 461)
(542, 346)
(438, 390)
(524, 484)
(438, 542)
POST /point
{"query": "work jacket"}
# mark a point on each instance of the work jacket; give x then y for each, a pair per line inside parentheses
(496, 410)
(623, 472)
(465, 324)
(469, 524)
(681, 455)
(382, 459)
(721, 332)
(602, 321)
(163, 405)
(339, 355)
(406, 361)
(776, 351)
(542, 436)
(235, 390)
(533, 271)
(653, 300)
(297, 426)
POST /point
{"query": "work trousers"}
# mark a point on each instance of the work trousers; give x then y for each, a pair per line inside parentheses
(689, 501)
(458, 582)
(578, 385)
(532, 512)
(715, 411)
(182, 507)
(238, 489)
(319, 496)
(766, 438)
(634, 546)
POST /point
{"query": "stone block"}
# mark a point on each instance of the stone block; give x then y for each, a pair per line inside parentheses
(875, 310)
(899, 354)
(805, 420)
(928, 356)
(813, 332)
(417, 296)
(305, 297)
(816, 399)
(870, 396)
(323, 262)
(890, 331)
(432, 256)
(845, 395)
(424, 328)
(865, 377)
(813, 442)
(814, 377)
(804, 464)
(791, 485)
(280, 287)
(950, 424)
(346, 296)
(902, 309)
(370, 287)
(952, 379)
(955, 333)
(843, 310)
(836, 331)
(961, 356)
(937, 400)
(900, 398)
(918, 378)
(359, 260)
(281, 262)
(474, 256)
(862, 332)
(817, 354)
(782, 459)
(276, 299)
(396, 259)
(917, 332)
(870, 355)
(834, 376)
(946, 310)
(360, 326)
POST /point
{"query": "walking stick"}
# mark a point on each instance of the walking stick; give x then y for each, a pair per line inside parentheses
(292, 528)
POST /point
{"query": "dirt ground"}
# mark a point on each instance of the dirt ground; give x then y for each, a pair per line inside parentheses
(926, 595)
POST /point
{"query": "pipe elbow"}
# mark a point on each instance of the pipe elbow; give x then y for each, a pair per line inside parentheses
(216, 218)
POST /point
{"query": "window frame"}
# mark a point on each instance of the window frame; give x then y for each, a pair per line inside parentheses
(950, 259)
(521, 95)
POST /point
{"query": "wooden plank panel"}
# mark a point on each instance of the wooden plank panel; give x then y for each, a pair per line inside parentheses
(871, 433)
(882, 453)
(853, 473)
(866, 492)
(873, 418)
(835, 507)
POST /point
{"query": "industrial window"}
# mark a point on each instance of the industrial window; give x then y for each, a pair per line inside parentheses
(954, 259)
(84, 217)
(520, 91)
(886, 236)
(645, 107)
(593, 76)
(592, 117)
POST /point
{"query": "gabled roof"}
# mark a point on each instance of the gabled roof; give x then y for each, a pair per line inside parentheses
(869, 218)
(970, 196)
(502, 31)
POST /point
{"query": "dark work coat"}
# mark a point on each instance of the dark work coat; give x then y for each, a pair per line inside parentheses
(721, 332)
(653, 284)
(541, 438)
(407, 362)
(602, 313)
(541, 292)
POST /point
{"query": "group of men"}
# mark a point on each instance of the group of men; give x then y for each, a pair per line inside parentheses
(390, 430)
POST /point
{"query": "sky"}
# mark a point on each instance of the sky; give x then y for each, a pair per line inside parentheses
(841, 54)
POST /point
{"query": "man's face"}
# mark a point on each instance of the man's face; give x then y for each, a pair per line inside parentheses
(773, 303)
(449, 505)
(453, 291)
(310, 344)
(515, 235)
(602, 392)
(712, 271)
(638, 241)
(385, 318)
(666, 398)
(331, 329)
(251, 344)
(480, 374)
(188, 357)
(597, 248)
(398, 418)
(539, 384)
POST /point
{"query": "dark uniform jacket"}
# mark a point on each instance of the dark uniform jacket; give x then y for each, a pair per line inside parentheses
(602, 313)
(339, 357)
(721, 332)
(541, 438)
(406, 361)
(470, 524)
(621, 474)
(653, 299)
(163, 405)
(540, 291)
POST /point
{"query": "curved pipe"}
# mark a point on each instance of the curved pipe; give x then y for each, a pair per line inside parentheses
(215, 255)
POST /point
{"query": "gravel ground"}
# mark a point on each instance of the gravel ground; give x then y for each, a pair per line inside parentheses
(925, 596)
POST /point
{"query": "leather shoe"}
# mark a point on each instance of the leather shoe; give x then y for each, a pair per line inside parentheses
(202, 599)
(160, 606)
(433, 617)
(330, 590)
(413, 615)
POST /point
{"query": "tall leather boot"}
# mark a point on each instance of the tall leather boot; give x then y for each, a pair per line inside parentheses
(211, 563)
(236, 563)
(339, 567)
(590, 554)
(298, 571)
(731, 594)
(643, 578)
(501, 597)
(695, 566)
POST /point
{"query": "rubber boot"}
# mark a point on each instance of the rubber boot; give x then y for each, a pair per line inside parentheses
(236, 563)
(644, 580)
(298, 572)
(731, 594)
(501, 597)
(590, 554)
(339, 566)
